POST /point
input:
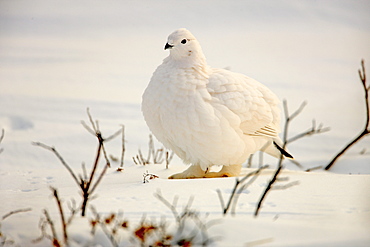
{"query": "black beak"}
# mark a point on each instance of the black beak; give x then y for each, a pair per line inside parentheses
(168, 46)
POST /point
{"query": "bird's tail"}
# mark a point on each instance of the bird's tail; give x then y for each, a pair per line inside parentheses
(274, 148)
(282, 151)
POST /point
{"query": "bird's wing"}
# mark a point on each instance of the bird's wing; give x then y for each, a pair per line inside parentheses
(252, 102)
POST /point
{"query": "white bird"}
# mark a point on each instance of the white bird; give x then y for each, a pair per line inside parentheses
(209, 117)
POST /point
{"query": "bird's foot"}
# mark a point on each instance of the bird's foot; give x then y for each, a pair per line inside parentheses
(226, 171)
(194, 171)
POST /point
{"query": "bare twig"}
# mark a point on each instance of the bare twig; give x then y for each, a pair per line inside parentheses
(98, 180)
(289, 118)
(103, 224)
(60, 208)
(312, 131)
(158, 156)
(151, 151)
(172, 206)
(114, 135)
(54, 236)
(95, 164)
(235, 192)
(15, 212)
(295, 162)
(168, 158)
(52, 149)
(2, 135)
(73, 209)
(201, 230)
(285, 140)
(84, 172)
(140, 160)
(86, 188)
(366, 129)
(271, 185)
(123, 150)
(92, 130)
(250, 161)
(268, 187)
(154, 156)
(313, 168)
(87, 184)
(47, 221)
(1, 139)
(285, 186)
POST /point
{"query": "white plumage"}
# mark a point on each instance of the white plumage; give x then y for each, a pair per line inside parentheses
(208, 116)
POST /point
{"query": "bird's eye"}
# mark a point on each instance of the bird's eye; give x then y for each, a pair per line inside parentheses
(183, 41)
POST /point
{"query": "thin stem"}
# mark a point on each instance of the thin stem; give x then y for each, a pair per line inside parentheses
(15, 212)
(52, 227)
(99, 178)
(64, 225)
(366, 129)
(123, 146)
(267, 190)
(60, 158)
(94, 166)
(233, 196)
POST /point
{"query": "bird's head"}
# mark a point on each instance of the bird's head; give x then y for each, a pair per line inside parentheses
(185, 48)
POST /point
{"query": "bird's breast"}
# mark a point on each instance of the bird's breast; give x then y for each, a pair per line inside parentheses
(183, 115)
(175, 98)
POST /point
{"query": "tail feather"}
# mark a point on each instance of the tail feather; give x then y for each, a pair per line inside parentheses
(282, 151)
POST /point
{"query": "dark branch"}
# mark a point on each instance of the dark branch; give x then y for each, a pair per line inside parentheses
(88, 184)
(60, 208)
(267, 190)
(95, 165)
(99, 178)
(123, 146)
(366, 129)
(235, 192)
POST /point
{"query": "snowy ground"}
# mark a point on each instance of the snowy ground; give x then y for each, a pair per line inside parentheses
(58, 59)
(325, 209)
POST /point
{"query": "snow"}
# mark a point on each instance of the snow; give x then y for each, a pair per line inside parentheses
(325, 209)
(58, 60)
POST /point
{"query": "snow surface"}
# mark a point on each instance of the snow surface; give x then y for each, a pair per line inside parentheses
(59, 58)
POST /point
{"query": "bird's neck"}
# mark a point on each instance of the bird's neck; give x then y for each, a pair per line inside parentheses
(197, 62)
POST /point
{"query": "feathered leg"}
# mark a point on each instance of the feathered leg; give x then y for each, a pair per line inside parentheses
(226, 171)
(194, 171)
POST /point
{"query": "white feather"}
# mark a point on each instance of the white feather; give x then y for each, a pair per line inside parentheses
(208, 116)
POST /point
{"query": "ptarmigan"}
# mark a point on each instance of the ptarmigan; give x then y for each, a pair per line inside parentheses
(208, 117)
